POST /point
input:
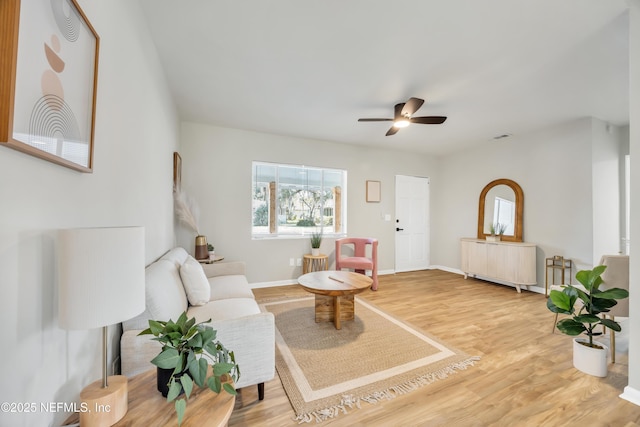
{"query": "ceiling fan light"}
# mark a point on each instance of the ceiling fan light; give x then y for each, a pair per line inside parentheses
(402, 123)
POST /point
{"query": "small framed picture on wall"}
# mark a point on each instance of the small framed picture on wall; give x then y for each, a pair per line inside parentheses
(373, 191)
(177, 171)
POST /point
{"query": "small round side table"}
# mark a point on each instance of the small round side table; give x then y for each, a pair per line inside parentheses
(312, 263)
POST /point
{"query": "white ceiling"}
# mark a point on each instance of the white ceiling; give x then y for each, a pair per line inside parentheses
(311, 68)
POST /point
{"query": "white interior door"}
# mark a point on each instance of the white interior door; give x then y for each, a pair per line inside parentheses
(412, 223)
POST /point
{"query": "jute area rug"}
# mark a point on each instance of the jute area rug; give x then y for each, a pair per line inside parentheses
(326, 372)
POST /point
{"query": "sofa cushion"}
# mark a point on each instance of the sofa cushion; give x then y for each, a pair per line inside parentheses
(164, 295)
(195, 282)
(233, 286)
(224, 309)
(176, 255)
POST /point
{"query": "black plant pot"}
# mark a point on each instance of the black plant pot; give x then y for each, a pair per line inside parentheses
(164, 375)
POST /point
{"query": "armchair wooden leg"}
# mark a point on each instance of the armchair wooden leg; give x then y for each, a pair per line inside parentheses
(261, 391)
(613, 343)
(553, 331)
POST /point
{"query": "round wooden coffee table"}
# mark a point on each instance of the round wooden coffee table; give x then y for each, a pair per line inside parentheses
(334, 291)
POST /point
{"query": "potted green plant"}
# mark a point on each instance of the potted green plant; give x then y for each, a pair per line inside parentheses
(316, 241)
(585, 307)
(188, 349)
(211, 250)
(496, 231)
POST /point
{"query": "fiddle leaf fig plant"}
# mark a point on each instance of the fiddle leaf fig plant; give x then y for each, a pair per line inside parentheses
(593, 302)
(188, 349)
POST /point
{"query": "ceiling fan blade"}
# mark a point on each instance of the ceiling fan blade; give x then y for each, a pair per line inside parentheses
(398, 111)
(412, 105)
(429, 120)
(392, 131)
(375, 120)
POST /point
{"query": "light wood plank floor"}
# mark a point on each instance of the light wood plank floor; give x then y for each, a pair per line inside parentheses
(525, 376)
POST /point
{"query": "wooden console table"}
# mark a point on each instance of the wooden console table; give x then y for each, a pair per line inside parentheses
(509, 262)
(148, 407)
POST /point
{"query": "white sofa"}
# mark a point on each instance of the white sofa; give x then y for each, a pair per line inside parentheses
(240, 325)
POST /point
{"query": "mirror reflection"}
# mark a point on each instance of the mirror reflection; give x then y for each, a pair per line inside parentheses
(500, 208)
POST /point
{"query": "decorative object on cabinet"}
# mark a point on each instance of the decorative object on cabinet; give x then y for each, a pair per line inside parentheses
(192, 355)
(511, 262)
(49, 109)
(557, 262)
(496, 230)
(589, 356)
(102, 283)
(501, 201)
(373, 191)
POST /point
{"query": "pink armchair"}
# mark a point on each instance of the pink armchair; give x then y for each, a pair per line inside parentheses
(359, 260)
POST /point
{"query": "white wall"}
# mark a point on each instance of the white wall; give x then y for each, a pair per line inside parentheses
(216, 172)
(632, 391)
(554, 169)
(136, 133)
(606, 155)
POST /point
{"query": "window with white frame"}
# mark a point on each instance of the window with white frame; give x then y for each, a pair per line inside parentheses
(293, 200)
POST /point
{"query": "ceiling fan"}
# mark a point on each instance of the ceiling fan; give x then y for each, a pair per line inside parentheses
(402, 117)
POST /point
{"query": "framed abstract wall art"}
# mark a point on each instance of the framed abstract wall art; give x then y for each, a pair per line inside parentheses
(48, 80)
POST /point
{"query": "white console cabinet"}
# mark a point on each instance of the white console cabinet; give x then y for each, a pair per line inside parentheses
(510, 262)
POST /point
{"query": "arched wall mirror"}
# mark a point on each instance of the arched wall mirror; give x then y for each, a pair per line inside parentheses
(501, 201)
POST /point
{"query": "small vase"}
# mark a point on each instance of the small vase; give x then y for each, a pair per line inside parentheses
(201, 248)
(315, 251)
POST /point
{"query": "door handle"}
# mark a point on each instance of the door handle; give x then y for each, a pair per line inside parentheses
(399, 229)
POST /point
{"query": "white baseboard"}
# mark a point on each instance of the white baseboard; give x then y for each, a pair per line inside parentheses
(631, 394)
(445, 268)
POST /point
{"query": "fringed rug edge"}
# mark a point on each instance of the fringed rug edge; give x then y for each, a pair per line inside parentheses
(351, 401)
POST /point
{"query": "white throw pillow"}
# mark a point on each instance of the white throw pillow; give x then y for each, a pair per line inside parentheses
(195, 282)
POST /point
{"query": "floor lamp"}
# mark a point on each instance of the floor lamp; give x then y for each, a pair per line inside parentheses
(101, 283)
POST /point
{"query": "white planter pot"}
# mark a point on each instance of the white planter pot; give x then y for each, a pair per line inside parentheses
(592, 361)
(315, 251)
(493, 238)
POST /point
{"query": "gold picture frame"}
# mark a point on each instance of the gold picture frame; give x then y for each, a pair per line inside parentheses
(177, 171)
(49, 70)
(373, 191)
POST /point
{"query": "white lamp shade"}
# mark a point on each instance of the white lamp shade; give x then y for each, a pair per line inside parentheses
(101, 276)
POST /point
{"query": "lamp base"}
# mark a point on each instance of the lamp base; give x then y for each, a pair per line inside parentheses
(103, 407)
